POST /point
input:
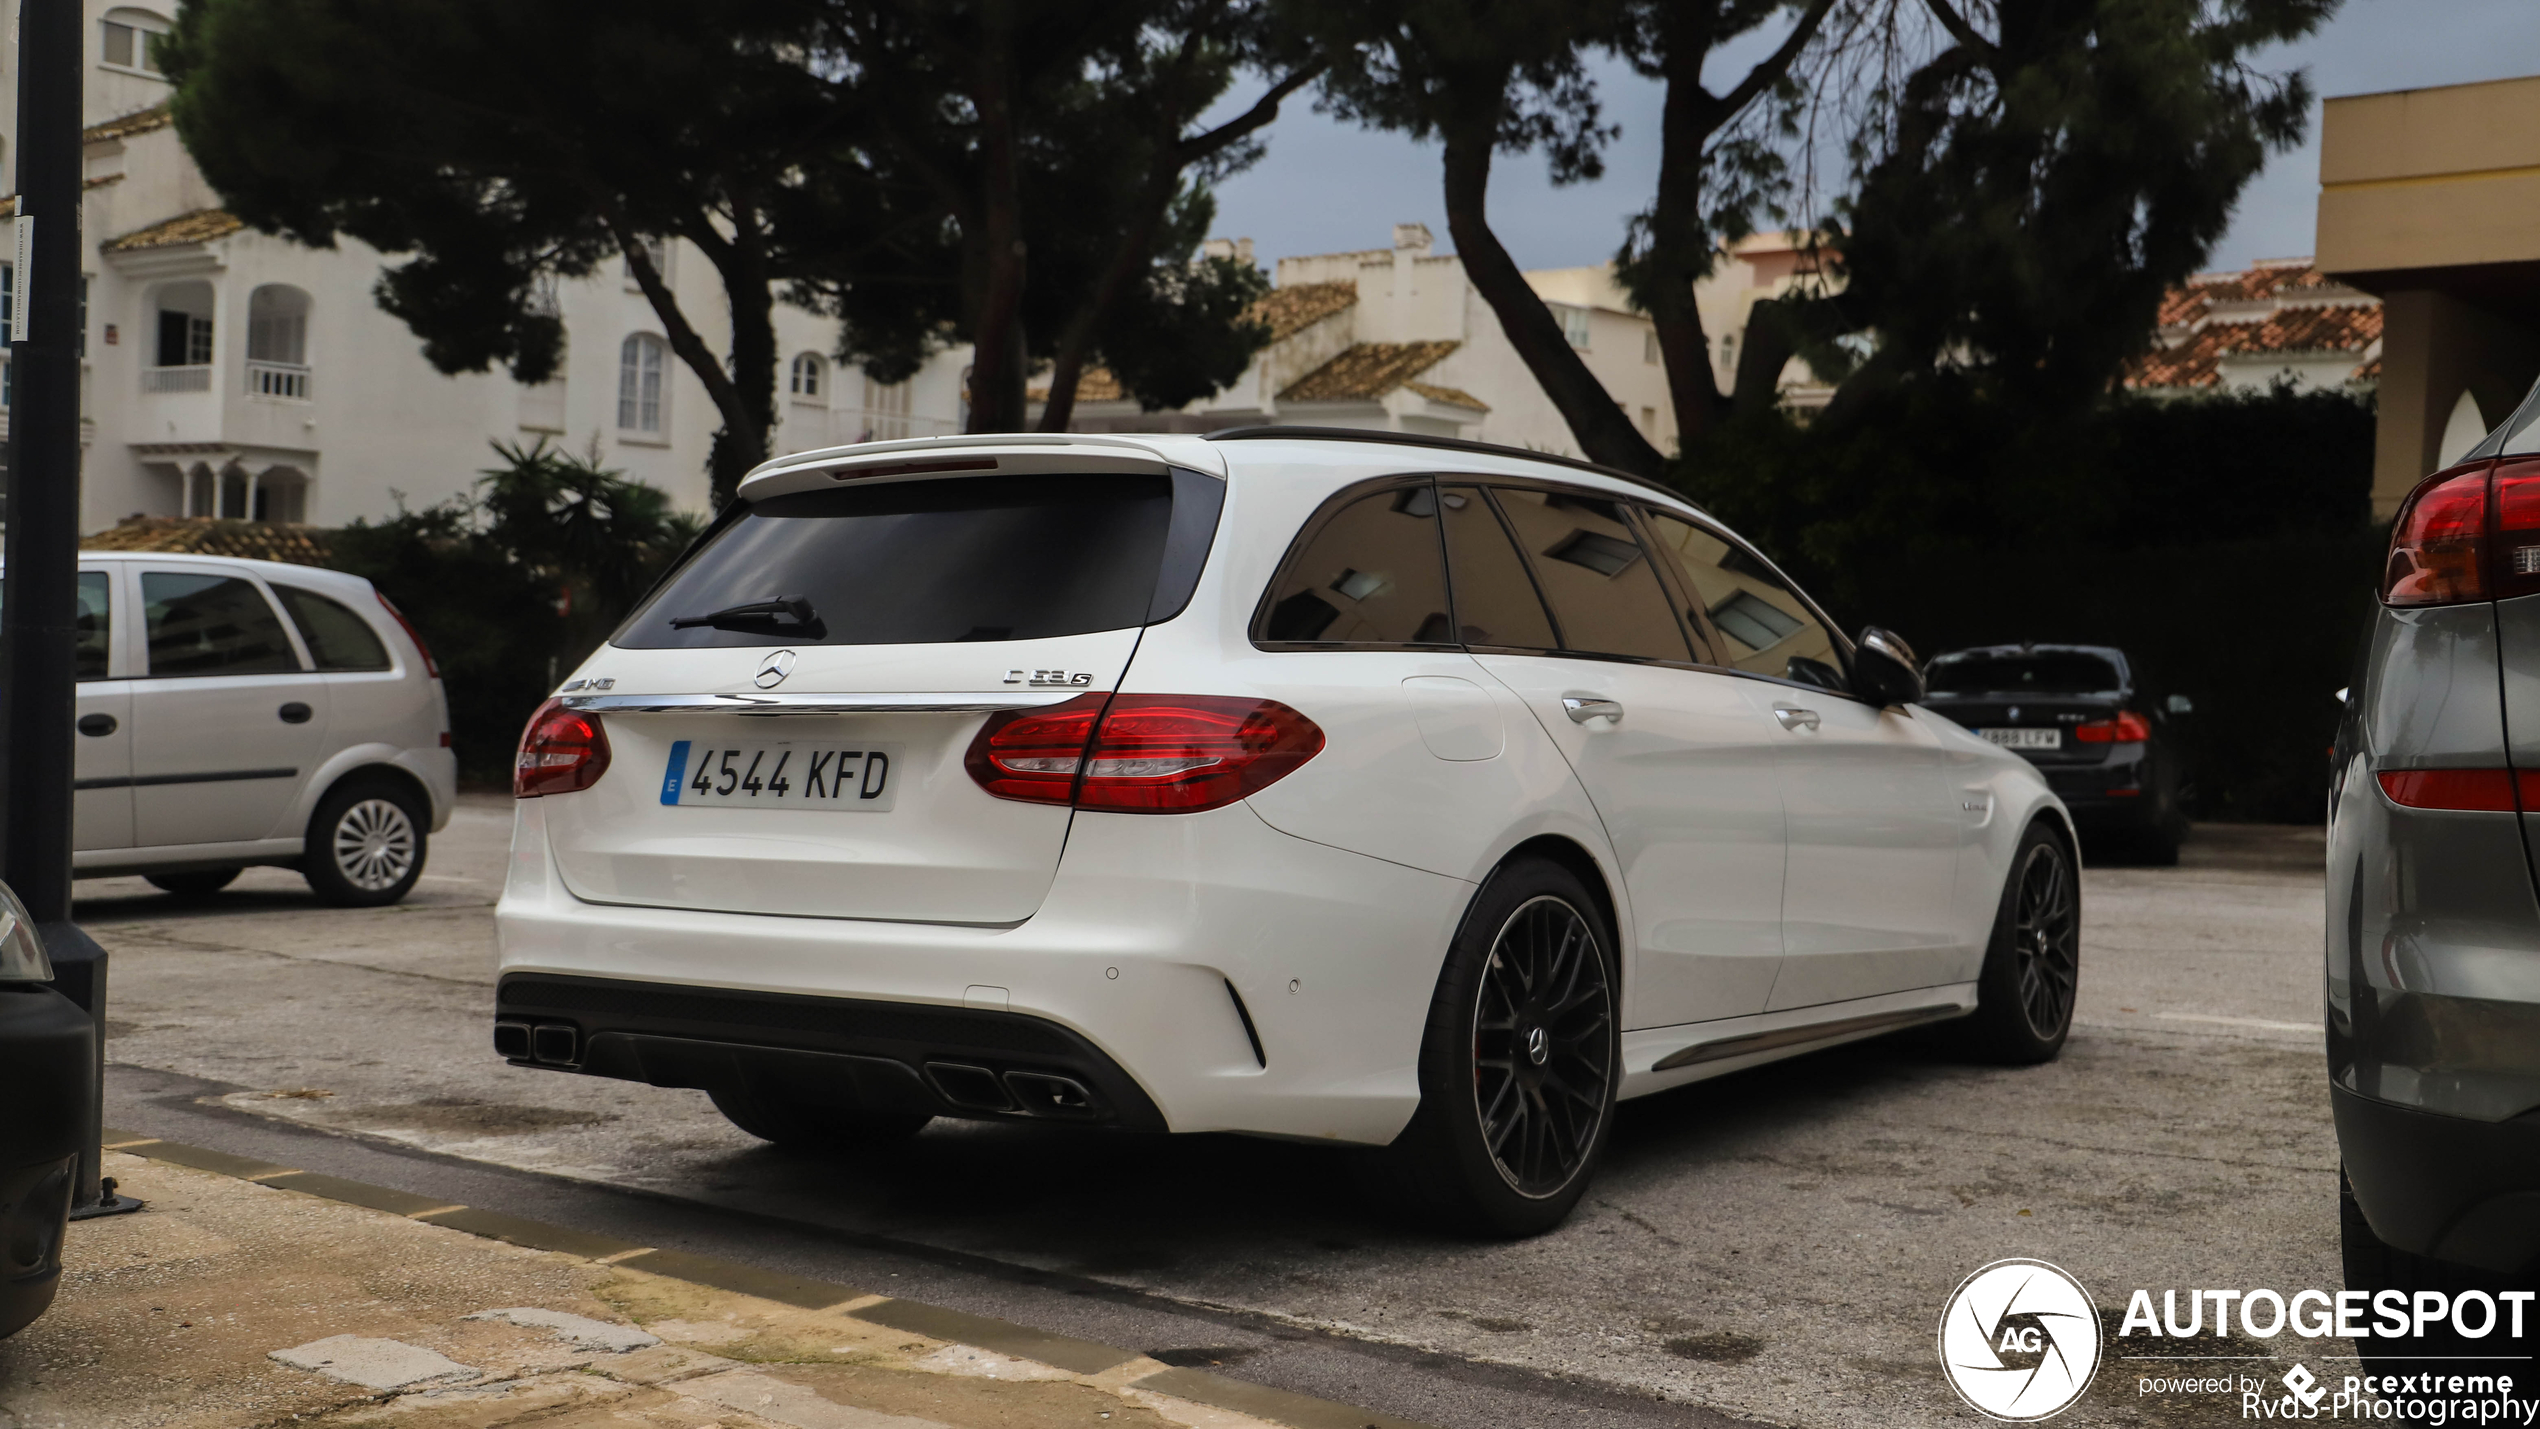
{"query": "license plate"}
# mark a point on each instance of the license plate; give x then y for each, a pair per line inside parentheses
(2025, 738)
(819, 777)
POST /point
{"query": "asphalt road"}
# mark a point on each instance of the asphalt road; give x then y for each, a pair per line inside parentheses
(1774, 1246)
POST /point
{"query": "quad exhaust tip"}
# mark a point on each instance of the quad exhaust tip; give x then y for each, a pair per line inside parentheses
(554, 1044)
(1039, 1094)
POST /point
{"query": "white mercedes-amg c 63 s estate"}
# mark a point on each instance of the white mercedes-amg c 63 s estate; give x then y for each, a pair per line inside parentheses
(1329, 785)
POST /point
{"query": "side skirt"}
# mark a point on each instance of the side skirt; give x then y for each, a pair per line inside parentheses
(1657, 1058)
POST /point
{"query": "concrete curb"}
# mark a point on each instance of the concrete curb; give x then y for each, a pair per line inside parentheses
(1004, 1337)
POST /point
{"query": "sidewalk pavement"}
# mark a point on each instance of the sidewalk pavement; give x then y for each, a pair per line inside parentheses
(249, 1294)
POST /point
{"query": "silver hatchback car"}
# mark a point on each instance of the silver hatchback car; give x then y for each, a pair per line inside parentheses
(2433, 948)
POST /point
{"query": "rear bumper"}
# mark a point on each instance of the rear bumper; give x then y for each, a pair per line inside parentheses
(876, 1056)
(1158, 938)
(2444, 1186)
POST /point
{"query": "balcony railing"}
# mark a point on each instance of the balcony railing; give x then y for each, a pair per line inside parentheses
(280, 381)
(194, 378)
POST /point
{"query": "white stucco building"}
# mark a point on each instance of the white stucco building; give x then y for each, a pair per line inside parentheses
(230, 373)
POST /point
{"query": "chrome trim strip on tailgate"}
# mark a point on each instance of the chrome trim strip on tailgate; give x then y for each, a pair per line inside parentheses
(809, 703)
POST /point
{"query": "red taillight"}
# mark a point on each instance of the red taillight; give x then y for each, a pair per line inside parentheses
(561, 751)
(2127, 728)
(430, 670)
(2479, 790)
(1142, 754)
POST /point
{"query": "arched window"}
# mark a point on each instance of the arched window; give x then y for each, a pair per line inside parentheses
(639, 383)
(129, 39)
(810, 374)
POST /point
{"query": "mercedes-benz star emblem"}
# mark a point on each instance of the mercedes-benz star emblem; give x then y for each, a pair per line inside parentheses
(773, 670)
(1538, 1046)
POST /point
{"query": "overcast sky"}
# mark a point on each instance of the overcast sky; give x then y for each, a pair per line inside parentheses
(1328, 187)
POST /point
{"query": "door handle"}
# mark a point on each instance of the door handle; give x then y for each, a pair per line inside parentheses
(294, 713)
(1581, 709)
(97, 726)
(1797, 719)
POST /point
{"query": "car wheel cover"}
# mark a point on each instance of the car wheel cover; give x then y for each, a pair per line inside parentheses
(1543, 1047)
(374, 845)
(2045, 940)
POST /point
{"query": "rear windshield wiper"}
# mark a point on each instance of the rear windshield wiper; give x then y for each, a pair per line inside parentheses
(759, 614)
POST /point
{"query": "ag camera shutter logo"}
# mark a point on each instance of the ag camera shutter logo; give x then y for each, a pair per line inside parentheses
(2019, 1340)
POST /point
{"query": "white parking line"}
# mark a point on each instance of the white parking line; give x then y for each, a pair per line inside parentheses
(2240, 1021)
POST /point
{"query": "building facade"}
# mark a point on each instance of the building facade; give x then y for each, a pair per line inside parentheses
(1399, 339)
(2430, 199)
(231, 373)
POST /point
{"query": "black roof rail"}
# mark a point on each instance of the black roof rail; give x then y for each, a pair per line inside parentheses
(1453, 444)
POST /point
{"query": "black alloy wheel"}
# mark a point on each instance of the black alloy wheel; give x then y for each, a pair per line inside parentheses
(1520, 1061)
(2032, 968)
(2046, 938)
(1543, 1047)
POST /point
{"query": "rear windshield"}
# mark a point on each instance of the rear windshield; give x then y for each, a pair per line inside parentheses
(2051, 673)
(922, 563)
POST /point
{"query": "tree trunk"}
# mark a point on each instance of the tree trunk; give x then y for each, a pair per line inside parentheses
(1603, 431)
(1680, 254)
(746, 286)
(742, 442)
(1000, 360)
(1128, 260)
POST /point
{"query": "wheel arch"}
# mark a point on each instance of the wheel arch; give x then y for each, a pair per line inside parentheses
(378, 772)
(1570, 854)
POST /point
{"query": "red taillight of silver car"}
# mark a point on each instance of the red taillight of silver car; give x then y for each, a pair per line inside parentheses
(2470, 535)
(561, 751)
(1142, 754)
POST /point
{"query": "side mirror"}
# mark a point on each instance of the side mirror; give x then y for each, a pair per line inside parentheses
(1884, 670)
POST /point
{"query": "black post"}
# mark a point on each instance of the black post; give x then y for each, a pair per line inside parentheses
(39, 598)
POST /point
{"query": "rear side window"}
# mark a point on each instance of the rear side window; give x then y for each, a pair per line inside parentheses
(211, 625)
(1600, 583)
(1495, 600)
(2043, 672)
(924, 562)
(1371, 575)
(1765, 628)
(337, 638)
(88, 649)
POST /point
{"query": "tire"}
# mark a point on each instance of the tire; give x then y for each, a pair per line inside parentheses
(193, 883)
(809, 1127)
(366, 844)
(1519, 1061)
(2032, 967)
(2373, 1265)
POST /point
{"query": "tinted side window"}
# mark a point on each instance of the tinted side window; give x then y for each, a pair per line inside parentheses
(211, 625)
(1495, 600)
(1602, 588)
(88, 651)
(337, 638)
(1372, 575)
(1764, 626)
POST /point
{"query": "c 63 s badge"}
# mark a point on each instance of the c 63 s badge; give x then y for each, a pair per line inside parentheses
(1050, 679)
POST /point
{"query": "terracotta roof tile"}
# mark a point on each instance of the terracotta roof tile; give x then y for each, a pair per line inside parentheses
(2190, 364)
(2345, 328)
(1367, 370)
(1292, 310)
(9, 205)
(200, 226)
(2369, 372)
(205, 536)
(1452, 396)
(138, 122)
(1094, 384)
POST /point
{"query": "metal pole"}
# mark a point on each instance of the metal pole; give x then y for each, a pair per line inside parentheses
(39, 599)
